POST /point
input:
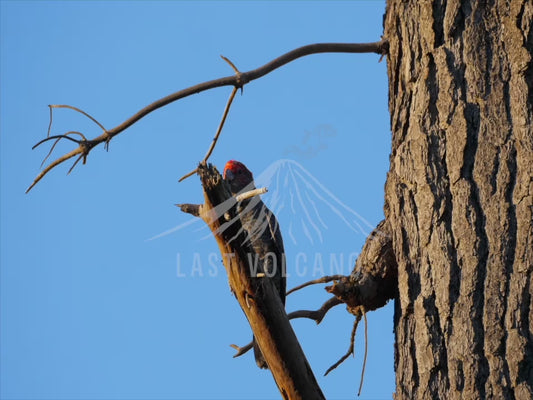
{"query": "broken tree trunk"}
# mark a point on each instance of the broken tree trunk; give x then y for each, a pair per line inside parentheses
(257, 296)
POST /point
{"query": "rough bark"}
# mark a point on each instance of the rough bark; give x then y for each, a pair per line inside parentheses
(459, 196)
(374, 279)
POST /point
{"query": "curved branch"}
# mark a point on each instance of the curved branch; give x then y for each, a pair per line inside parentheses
(245, 77)
(233, 67)
(81, 157)
(215, 139)
(351, 348)
(366, 354)
(75, 109)
(53, 164)
(242, 350)
(237, 81)
(324, 279)
(58, 137)
(315, 315)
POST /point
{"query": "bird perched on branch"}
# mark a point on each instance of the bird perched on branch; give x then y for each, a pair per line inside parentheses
(263, 232)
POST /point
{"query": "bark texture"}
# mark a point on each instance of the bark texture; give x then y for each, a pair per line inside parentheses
(374, 279)
(459, 196)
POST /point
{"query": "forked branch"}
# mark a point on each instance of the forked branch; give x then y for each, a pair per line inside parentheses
(351, 348)
(237, 81)
(219, 130)
(315, 315)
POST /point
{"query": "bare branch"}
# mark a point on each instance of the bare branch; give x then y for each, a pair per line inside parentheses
(58, 137)
(50, 122)
(226, 111)
(233, 67)
(350, 348)
(84, 147)
(371, 284)
(366, 352)
(53, 164)
(374, 47)
(242, 350)
(193, 209)
(75, 109)
(82, 156)
(220, 126)
(51, 148)
(317, 315)
(237, 81)
(188, 174)
(324, 279)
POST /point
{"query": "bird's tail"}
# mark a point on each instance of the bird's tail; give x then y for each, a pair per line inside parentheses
(259, 359)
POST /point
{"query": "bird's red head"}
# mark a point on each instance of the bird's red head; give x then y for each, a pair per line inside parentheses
(238, 176)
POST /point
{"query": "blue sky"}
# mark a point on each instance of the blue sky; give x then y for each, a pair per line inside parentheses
(92, 306)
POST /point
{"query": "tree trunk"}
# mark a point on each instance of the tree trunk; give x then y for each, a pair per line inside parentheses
(459, 196)
(257, 297)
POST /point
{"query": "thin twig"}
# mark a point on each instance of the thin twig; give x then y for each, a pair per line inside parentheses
(317, 316)
(50, 122)
(350, 348)
(75, 109)
(241, 350)
(54, 163)
(65, 136)
(58, 138)
(366, 352)
(51, 150)
(188, 174)
(233, 67)
(193, 209)
(224, 116)
(75, 162)
(237, 80)
(220, 126)
(324, 279)
(84, 145)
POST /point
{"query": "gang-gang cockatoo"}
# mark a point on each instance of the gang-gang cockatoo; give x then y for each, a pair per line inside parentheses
(263, 232)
